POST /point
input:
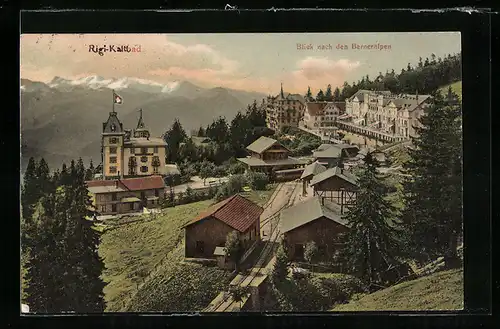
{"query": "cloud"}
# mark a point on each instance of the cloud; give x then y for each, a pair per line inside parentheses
(47, 55)
(318, 72)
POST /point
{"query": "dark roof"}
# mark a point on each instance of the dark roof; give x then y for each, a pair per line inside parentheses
(236, 211)
(313, 169)
(332, 150)
(315, 108)
(340, 105)
(131, 184)
(113, 122)
(335, 171)
(256, 162)
(307, 211)
(262, 144)
(140, 123)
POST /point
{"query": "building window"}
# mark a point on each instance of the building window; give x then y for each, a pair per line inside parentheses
(113, 196)
(112, 150)
(131, 206)
(103, 209)
(144, 159)
(113, 140)
(144, 169)
(157, 193)
(155, 170)
(144, 150)
(156, 149)
(112, 159)
(112, 170)
(132, 150)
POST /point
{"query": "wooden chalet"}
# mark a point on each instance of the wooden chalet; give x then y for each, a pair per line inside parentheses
(209, 229)
(336, 184)
(269, 156)
(330, 155)
(127, 195)
(315, 219)
(309, 172)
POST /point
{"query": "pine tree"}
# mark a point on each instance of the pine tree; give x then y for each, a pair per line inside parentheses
(328, 94)
(336, 94)
(90, 172)
(371, 243)
(173, 137)
(29, 191)
(320, 97)
(64, 176)
(45, 266)
(309, 97)
(433, 194)
(420, 63)
(280, 269)
(201, 132)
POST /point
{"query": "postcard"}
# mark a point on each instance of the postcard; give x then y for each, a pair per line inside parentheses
(290, 172)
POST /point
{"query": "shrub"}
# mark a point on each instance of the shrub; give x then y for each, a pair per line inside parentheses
(257, 180)
(237, 168)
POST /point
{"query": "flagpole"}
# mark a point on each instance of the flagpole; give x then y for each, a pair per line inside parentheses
(113, 91)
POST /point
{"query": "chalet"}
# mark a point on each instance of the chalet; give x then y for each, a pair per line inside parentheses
(317, 220)
(336, 184)
(119, 196)
(209, 229)
(310, 171)
(269, 156)
(331, 154)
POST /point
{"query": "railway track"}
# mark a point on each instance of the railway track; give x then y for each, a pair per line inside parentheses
(266, 251)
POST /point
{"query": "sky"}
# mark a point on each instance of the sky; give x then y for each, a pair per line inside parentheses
(253, 62)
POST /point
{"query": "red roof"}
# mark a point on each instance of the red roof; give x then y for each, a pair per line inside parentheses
(132, 184)
(316, 108)
(236, 211)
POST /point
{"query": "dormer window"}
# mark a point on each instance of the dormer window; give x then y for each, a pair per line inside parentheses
(113, 127)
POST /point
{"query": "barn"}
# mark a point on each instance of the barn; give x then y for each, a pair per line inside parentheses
(209, 229)
(316, 219)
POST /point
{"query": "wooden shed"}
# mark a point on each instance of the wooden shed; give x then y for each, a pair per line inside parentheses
(209, 229)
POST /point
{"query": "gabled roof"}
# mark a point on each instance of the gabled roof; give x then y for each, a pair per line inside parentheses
(335, 171)
(312, 169)
(126, 184)
(310, 210)
(236, 211)
(262, 143)
(315, 108)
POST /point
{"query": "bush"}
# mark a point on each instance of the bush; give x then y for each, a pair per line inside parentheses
(257, 180)
(237, 168)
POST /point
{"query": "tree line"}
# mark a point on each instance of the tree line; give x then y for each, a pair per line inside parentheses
(381, 237)
(227, 141)
(63, 267)
(424, 77)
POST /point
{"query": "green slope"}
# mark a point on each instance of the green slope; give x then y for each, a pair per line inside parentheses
(456, 87)
(438, 291)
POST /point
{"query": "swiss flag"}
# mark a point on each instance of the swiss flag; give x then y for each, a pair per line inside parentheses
(117, 99)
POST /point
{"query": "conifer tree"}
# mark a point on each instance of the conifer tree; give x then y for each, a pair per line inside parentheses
(29, 191)
(309, 97)
(328, 94)
(433, 193)
(336, 94)
(371, 243)
(321, 96)
(90, 172)
(280, 269)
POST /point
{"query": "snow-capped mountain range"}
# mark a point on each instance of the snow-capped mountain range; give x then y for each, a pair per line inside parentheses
(98, 82)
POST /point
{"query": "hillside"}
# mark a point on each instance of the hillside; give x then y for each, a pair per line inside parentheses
(62, 121)
(456, 87)
(438, 291)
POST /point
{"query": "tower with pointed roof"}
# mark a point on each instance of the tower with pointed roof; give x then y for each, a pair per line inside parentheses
(112, 141)
(141, 131)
